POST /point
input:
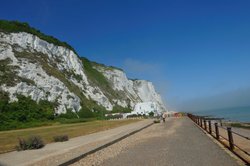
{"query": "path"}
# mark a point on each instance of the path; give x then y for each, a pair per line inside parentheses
(178, 142)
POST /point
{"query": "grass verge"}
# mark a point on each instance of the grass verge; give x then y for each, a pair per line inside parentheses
(9, 139)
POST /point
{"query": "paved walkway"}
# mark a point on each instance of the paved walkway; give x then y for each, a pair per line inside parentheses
(58, 153)
(179, 143)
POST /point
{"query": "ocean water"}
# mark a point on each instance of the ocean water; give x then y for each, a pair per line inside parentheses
(238, 114)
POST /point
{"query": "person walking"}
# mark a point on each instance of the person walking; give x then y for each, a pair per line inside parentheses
(164, 117)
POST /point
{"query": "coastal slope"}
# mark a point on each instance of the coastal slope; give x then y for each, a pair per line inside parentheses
(34, 66)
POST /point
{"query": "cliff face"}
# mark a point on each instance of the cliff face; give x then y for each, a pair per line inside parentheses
(46, 71)
(132, 91)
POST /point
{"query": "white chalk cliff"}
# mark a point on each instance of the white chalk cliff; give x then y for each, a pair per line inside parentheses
(45, 71)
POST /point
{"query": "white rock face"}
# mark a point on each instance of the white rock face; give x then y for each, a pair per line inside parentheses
(26, 41)
(147, 93)
(64, 58)
(146, 108)
(137, 90)
(46, 87)
(49, 87)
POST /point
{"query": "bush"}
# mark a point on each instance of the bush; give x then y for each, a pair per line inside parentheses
(68, 115)
(135, 116)
(33, 142)
(157, 121)
(24, 111)
(120, 109)
(151, 114)
(61, 138)
(117, 116)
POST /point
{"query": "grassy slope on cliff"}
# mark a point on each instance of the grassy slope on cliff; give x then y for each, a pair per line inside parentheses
(98, 79)
(15, 26)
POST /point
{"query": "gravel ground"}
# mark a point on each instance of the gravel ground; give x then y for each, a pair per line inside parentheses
(112, 151)
(174, 143)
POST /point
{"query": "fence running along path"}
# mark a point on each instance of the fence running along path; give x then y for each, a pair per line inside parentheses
(224, 135)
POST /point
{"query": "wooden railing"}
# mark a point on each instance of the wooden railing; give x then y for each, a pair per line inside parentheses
(224, 135)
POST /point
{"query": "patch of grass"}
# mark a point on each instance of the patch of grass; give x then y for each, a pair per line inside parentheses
(107, 67)
(98, 79)
(28, 81)
(240, 125)
(8, 139)
(15, 26)
(8, 73)
(73, 120)
(61, 138)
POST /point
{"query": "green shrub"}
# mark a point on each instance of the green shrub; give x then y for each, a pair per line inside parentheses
(120, 109)
(118, 116)
(24, 111)
(151, 114)
(157, 121)
(68, 115)
(15, 26)
(61, 138)
(240, 125)
(135, 116)
(33, 142)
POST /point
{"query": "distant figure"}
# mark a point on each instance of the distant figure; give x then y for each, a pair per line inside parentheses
(163, 117)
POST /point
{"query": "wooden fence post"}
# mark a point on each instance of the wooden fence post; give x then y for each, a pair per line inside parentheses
(210, 127)
(230, 138)
(217, 131)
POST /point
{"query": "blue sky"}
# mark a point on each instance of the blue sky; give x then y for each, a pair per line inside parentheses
(189, 49)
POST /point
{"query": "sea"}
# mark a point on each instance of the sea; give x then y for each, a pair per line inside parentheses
(235, 114)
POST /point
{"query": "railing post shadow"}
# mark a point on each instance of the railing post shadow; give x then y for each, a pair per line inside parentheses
(217, 131)
(230, 138)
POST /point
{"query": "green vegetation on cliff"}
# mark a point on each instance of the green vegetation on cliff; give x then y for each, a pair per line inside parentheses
(97, 78)
(8, 74)
(24, 111)
(16, 26)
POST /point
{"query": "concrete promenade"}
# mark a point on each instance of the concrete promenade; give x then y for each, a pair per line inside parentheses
(178, 142)
(61, 152)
